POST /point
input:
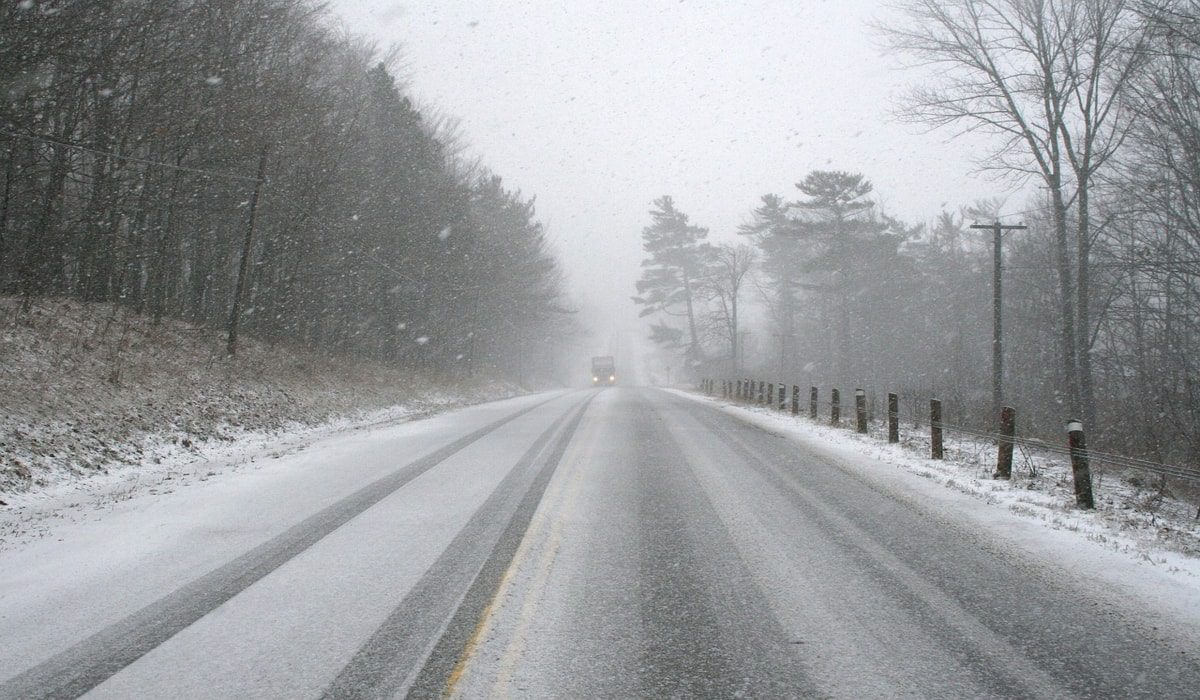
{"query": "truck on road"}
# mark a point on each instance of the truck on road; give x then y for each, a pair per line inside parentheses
(604, 371)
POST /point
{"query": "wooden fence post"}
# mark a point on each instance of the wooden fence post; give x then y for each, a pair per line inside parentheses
(812, 402)
(935, 429)
(1080, 468)
(893, 418)
(795, 399)
(761, 392)
(835, 408)
(783, 397)
(860, 410)
(1008, 428)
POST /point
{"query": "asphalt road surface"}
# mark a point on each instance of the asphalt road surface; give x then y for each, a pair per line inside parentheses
(620, 542)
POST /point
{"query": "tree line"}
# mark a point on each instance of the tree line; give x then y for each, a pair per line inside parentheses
(1096, 102)
(247, 162)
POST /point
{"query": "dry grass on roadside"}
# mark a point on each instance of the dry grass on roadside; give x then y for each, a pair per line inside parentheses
(88, 387)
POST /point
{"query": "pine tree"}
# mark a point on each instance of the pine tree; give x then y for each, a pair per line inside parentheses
(677, 261)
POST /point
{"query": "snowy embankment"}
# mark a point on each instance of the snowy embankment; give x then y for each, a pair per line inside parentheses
(99, 403)
(1137, 541)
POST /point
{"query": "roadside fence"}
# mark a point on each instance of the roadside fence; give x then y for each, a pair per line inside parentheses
(776, 395)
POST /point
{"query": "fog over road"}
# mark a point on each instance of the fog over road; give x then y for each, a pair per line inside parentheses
(623, 542)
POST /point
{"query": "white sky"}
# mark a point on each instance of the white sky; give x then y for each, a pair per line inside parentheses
(600, 107)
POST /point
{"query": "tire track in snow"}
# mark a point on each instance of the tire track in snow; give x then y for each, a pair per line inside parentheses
(418, 645)
(1015, 624)
(88, 663)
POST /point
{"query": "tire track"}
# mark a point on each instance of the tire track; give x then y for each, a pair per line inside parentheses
(91, 661)
(1013, 623)
(708, 628)
(416, 649)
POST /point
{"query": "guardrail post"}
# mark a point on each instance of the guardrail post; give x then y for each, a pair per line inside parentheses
(812, 402)
(761, 392)
(935, 429)
(860, 410)
(783, 397)
(1008, 428)
(893, 418)
(1080, 468)
(835, 407)
(795, 399)
(770, 394)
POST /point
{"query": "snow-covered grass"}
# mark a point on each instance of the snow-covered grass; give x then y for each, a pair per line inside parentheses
(96, 399)
(1133, 516)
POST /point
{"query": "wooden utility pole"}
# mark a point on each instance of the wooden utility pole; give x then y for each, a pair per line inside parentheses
(247, 249)
(998, 230)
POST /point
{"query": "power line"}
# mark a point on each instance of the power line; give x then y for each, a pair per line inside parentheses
(132, 159)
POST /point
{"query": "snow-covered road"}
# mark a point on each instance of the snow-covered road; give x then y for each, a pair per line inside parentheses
(618, 542)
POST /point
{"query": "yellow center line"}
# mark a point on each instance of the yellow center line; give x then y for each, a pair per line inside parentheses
(537, 587)
(487, 618)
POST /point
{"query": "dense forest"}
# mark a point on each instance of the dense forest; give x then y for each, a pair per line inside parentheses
(1096, 105)
(249, 166)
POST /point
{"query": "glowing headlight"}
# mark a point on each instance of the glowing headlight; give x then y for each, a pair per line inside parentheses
(595, 379)
(612, 378)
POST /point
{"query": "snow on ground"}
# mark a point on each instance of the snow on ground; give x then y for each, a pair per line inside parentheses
(99, 404)
(1137, 542)
(34, 514)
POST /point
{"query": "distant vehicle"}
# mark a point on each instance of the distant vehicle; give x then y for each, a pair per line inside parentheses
(603, 370)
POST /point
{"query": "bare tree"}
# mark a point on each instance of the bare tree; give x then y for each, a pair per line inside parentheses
(1048, 77)
(130, 135)
(730, 266)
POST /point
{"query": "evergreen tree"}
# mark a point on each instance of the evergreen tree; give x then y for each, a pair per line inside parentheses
(676, 263)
